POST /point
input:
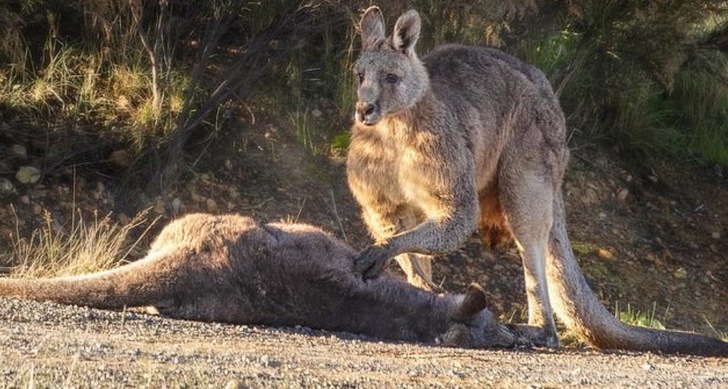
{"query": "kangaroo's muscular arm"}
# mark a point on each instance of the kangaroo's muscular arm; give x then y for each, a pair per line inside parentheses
(447, 198)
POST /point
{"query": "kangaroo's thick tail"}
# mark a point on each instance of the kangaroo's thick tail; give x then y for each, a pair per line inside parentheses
(131, 285)
(577, 306)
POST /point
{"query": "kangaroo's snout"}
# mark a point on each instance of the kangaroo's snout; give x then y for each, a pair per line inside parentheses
(367, 113)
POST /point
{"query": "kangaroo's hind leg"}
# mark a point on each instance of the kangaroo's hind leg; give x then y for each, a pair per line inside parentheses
(527, 198)
(418, 268)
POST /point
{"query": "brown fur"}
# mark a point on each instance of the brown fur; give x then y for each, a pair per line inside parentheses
(468, 136)
(232, 269)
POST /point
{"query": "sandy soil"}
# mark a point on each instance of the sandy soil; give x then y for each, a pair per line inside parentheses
(46, 345)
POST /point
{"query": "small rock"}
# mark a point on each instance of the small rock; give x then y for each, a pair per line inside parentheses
(25, 199)
(622, 195)
(19, 151)
(28, 175)
(590, 196)
(718, 169)
(120, 158)
(159, 207)
(681, 274)
(270, 133)
(234, 384)
(715, 235)
(6, 187)
(177, 205)
(604, 253)
(37, 209)
(316, 113)
(211, 206)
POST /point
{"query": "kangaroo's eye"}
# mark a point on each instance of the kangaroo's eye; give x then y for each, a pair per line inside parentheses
(360, 77)
(391, 78)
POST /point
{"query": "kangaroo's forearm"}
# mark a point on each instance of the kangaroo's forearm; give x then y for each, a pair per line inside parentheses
(436, 235)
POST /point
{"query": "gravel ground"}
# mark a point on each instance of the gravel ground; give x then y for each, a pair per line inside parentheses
(49, 345)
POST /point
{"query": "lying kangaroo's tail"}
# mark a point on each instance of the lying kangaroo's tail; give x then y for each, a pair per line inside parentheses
(577, 306)
(126, 286)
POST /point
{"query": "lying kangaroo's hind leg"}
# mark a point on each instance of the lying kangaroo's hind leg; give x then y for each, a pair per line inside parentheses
(528, 203)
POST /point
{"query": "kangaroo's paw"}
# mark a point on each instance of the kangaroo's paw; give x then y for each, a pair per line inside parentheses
(539, 336)
(518, 338)
(372, 262)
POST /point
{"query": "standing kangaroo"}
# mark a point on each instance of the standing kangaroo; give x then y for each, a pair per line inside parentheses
(468, 135)
(232, 269)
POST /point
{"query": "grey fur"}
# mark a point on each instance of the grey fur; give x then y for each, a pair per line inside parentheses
(468, 136)
(231, 269)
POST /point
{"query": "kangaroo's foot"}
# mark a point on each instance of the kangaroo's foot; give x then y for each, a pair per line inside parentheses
(419, 271)
(424, 283)
(539, 336)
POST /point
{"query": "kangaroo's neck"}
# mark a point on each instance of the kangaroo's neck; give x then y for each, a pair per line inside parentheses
(418, 117)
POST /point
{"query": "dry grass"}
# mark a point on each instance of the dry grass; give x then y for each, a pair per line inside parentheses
(83, 247)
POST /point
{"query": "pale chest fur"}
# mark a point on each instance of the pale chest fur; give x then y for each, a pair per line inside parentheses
(395, 166)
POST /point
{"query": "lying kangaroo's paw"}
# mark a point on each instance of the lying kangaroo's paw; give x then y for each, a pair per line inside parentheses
(372, 262)
(538, 336)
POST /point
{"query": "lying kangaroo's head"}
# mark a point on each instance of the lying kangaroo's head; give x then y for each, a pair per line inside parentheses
(473, 326)
(391, 77)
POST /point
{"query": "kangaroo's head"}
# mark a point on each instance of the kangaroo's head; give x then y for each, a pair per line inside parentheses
(391, 78)
(474, 326)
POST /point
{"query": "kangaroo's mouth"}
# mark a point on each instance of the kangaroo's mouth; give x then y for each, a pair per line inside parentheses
(367, 113)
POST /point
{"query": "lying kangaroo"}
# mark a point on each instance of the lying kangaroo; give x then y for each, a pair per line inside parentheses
(234, 270)
(468, 135)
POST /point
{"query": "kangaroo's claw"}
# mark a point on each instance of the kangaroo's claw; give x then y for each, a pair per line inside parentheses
(371, 262)
(538, 336)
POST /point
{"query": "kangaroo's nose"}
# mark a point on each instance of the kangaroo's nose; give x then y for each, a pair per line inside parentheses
(366, 112)
(369, 109)
(365, 108)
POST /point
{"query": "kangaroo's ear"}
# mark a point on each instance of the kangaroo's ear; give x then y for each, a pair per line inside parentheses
(372, 27)
(473, 303)
(406, 32)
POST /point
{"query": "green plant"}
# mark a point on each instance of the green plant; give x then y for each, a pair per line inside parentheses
(341, 140)
(635, 317)
(700, 97)
(553, 54)
(305, 129)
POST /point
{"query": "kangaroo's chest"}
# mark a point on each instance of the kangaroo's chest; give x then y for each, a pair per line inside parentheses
(391, 170)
